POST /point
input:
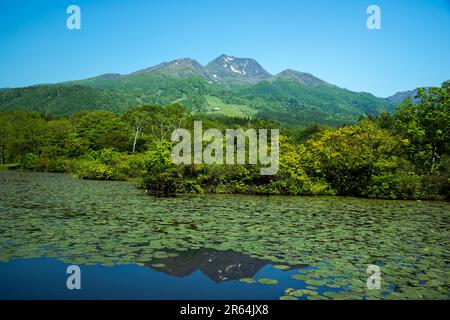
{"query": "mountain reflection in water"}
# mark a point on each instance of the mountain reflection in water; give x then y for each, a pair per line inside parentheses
(217, 265)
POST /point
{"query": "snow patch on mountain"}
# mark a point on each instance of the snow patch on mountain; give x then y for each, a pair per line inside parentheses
(236, 71)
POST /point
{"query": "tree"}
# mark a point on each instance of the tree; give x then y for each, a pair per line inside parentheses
(60, 139)
(165, 120)
(155, 121)
(427, 125)
(102, 130)
(138, 118)
(4, 135)
(21, 133)
(349, 157)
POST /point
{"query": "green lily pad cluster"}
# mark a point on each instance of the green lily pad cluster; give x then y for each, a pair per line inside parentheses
(267, 281)
(111, 223)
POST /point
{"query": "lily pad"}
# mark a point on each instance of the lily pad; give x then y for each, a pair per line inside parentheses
(248, 280)
(281, 267)
(267, 281)
(288, 298)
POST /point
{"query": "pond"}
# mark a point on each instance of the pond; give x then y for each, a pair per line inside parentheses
(133, 246)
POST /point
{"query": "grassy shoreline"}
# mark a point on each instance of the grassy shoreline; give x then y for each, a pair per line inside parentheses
(139, 185)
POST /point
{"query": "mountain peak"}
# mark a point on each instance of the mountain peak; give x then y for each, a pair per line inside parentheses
(178, 68)
(226, 68)
(401, 96)
(302, 77)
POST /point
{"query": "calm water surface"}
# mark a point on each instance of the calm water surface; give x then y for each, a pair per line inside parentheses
(130, 245)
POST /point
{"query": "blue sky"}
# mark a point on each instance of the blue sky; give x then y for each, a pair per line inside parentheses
(327, 38)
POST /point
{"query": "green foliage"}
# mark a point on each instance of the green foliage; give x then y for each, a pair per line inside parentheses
(405, 156)
(163, 177)
(20, 133)
(61, 100)
(293, 103)
(427, 125)
(289, 102)
(348, 157)
(108, 164)
(154, 89)
(398, 184)
(102, 129)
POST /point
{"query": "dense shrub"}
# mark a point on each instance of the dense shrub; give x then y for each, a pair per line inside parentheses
(403, 156)
(108, 164)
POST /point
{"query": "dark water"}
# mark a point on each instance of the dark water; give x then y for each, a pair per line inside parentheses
(130, 245)
(46, 279)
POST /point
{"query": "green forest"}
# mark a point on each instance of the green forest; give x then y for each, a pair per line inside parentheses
(288, 102)
(400, 155)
